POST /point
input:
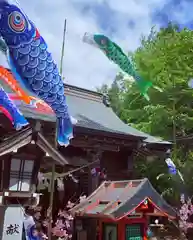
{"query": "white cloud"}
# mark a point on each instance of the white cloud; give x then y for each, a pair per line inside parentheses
(84, 65)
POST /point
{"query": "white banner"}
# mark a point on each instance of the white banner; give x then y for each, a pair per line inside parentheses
(13, 223)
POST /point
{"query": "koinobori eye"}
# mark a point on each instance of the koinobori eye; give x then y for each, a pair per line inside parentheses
(16, 22)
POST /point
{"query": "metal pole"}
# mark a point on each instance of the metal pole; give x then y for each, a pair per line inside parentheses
(52, 187)
(62, 52)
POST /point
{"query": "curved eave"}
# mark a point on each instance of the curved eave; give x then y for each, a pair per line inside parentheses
(160, 211)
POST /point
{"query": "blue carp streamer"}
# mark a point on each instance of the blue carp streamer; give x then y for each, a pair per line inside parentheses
(33, 66)
(11, 111)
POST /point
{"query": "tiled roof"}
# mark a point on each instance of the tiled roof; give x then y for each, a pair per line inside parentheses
(117, 199)
(23, 138)
(90, 111)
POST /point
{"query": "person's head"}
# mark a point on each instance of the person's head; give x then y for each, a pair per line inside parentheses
(29, 211)
(35, 232)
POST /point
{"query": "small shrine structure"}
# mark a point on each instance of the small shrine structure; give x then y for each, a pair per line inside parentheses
(121, 209)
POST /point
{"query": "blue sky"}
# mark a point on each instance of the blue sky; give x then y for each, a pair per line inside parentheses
(124, 21)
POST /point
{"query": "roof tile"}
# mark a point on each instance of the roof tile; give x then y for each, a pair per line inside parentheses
(87, 107)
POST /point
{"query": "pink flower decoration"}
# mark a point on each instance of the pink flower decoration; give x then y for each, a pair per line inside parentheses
(68, 225)
(82, 198)
(185, 212)
(44, 236)
(70, 204)
(63, 214)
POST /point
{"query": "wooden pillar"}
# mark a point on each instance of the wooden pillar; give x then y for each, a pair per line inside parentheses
(94, 180)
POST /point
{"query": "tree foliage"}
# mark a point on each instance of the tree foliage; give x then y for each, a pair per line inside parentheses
(166, 59)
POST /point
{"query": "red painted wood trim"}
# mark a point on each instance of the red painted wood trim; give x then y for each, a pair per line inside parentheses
(155, 206)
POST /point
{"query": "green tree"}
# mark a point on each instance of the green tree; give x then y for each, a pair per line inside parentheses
(166, 59)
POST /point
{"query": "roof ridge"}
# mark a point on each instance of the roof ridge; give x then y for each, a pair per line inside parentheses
(82, 92)
(83, 95)
(95, 101)
(79, 91)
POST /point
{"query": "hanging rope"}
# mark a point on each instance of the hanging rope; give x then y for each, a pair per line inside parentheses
(60, 175)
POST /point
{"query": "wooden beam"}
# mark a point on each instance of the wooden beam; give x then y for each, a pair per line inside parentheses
(94, 145)
(91, 139)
